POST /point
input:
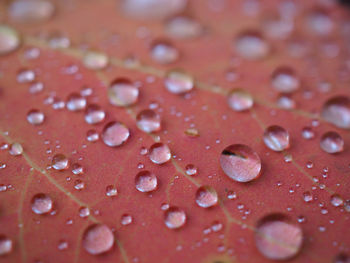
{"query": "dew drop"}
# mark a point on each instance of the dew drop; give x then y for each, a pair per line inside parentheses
(276, 138)
(98, 239)
(5, 245)
(35, 117)
(336, 110)
(206, 196)
(25, 76)
(77, 169)
(178, 82)
(285, 102)
(319, 22)
(332, 142)
(123, 93)
(240, 100)
(174, 217)
(95, 60)
(251, 45)
(84, 211)
(92, 135)
(240, 163)
(307, 133)
(75, 102)
(159, 153)
(9, 40)
(16, 149)
(164, 53)
(148, 121)
(191, 170)
(192, 132)
(94, 114)
(115, 134)
(79, 184)
(31, 10)
(146, 181)
(277, 239)
(41, 204)
(36, 87)
(60, 162)
(284, 80)
(307, 196)
(336, 200)
(126, 219)
(184, 27)
(111, 190)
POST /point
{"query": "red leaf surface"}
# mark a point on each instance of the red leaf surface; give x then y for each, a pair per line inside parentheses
(313, 42)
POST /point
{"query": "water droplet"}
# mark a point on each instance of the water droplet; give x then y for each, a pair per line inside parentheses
(159, 153)
(163, 52)
(342, 258)
(206, 196)
(16, 149)
(41, 204)
(308, 133)
(319, 22)
(123, 93)
(115, 134)
(251, 45)
(148, 121)
(60, 162)
(192, 132)
(62, 245)
(75, 102)
(332, 142)
(174, 217)
(178, 82)
(35, 117)
(95, 60)
(31, 10)
(79, 184)
(284, 80)
(285, 102)
(184, 27)
(276, 138)
(240, 163)
(94, 114)
(77, 169)
(126, 219)
(36, 87)
(336, 200)
(146, 181)
(5, 245)
(84, 211)
(92, 135)
(277, 239)
(240, 100)
(25, 76)
(111, 191)
(191, 170)
(336, 110)
(98, 239)
(9, 40)
(307, 196)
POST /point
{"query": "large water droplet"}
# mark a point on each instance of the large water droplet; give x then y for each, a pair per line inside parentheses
(31, 10)
(174, 217)
(75, 102)
(251, 45)
(240, 100)
(123, 93)
(35, 117)
(178, 82)
(164, 53)
(277, 239)
(98, 239)
(284, 80)
(206, 196)
(41, 204)
(9, 40)
(148, 121)
(159, 153)
(240, 163)
(5, 245)
(95, 60)
(332, 142)
(115, 134)
(276, 138)
(336, 110)
(146, 181)
(60, 162)
(94, 114)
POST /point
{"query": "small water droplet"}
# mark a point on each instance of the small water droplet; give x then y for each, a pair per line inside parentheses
(178, 82)
(284, 80)
(84, 211)
(28, 11)
(126, 219)
(60, 162)
(115, 134)
(336, 110)
(94, 114)
(16, 149)
(251, 45)
(41, 204)
(174, 217)
(36, 87)
(159, 153)
(191, 170)
(308, 133)
(192, 132)
(79, 184)
(148, 121)
(98, 239)
(240, 163)
(111, 190)
(240, 100)
(9, 40)
(95, 60)
(146, 181)
(286, 102)
(163, 52)
(77, 169)
(35, 117)
(307, 196)
(276, 138)
(206, 196)
(123, 93)
(336, 200)
(92, 135)
(332, 142)
(5, 245)
(75, 102)
(184, 27)
(25, 76)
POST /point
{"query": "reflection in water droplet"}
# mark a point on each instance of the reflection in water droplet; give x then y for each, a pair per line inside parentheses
(146, 181)
(336, 110)
(184, 27)
(191, 169)
(251, 45)
(148, 121)
(174, 217)
(79, 184)
(77, 169)
(41, 204)
(9, 40)
(25, 76)
(94, 114)
(277, 239)
(159, 153)
(336, 200)
(332, 142)
(5, 245)
(276, 138)
(123, 93)
(84, 211)
(16, 149)
(164, 53)
(95, 60)
(92, 135)
(115, 134)
(308, 133)
(98, 239)
(206, 196)
(31, 10)
(111, 190)
(178, 82)
(35, 117)
(75, 102)
(240, 163)
(126, 219)
(240, 100)
(284, 80)
(307, 196)
(60, 162)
